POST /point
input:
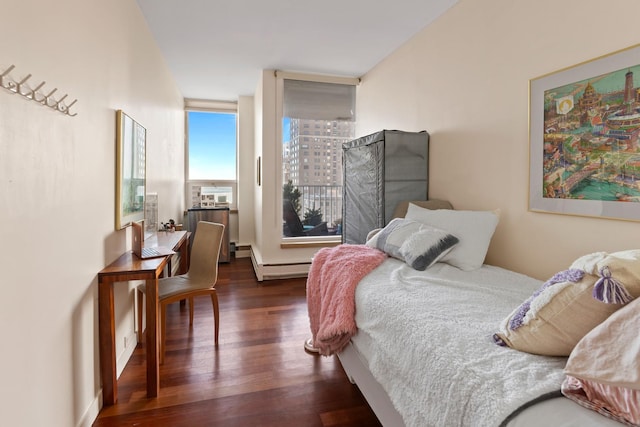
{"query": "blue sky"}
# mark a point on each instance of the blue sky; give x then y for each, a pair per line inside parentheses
(286, 121)
(212, 146)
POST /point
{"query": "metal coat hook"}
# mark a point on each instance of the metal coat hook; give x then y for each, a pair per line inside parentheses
(19, 87)
(7, 71)
(35, 91)
(60, 101)
(45, 100)
(65, 108)
(22, 88)
(54, 104)
(10, 84)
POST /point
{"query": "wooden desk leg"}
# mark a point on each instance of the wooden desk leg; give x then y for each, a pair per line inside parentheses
(153, 366)
(107, 337)
(184, 257)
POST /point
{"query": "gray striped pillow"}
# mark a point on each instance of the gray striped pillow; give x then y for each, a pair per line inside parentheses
(418, 245)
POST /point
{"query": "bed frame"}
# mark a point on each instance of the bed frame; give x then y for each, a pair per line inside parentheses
(559, 411)
(358, 373)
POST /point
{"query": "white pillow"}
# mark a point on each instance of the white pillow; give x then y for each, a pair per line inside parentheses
(418, 245)
(473, 229)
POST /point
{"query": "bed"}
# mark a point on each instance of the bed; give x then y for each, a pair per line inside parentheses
(425, 347)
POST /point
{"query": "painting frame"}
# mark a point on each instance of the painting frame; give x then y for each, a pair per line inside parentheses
(131, 145)
(566, 150)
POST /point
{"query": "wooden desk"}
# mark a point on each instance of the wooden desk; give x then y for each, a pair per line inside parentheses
(173, 240)
(130, 267)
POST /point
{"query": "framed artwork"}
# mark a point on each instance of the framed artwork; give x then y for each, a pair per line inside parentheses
(131, 140)
(584, 147)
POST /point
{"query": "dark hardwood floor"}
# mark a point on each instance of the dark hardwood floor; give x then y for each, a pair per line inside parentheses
(259, 375)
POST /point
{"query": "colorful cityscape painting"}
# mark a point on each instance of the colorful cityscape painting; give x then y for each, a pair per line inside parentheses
(590, 139)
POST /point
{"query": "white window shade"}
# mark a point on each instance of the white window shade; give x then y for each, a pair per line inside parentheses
(319, 101)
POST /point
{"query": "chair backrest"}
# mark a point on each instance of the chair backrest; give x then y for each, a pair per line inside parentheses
(205, 252)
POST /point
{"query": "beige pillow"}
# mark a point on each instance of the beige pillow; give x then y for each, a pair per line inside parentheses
(623, 267)
(564, 309)
(401, 209)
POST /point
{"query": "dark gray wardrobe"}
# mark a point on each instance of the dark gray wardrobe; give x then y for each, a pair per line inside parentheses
(379, 171)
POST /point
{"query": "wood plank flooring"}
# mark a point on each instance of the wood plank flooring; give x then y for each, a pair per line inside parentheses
(259, 375)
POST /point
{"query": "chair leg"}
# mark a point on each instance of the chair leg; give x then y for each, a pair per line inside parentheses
(216, 315)
(140, 297)
(190, 311)
(163, 330)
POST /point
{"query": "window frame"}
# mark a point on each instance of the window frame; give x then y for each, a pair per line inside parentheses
(281, 76)
(208, 107)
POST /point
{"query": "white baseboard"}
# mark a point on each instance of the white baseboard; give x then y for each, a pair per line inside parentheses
(92, 412)
(132, 340)
(285, 271)
(243, 253)
(278, 271)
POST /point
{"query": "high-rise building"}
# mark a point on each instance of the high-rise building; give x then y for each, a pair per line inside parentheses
(315, 151)
(312, 161)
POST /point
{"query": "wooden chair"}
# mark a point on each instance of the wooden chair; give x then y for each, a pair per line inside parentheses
(199, 280)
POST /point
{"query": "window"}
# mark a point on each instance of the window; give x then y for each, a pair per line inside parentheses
(324, 113)
(211, 158)
(212, 145)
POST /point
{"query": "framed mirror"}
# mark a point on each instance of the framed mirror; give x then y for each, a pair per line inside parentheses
(131, 141)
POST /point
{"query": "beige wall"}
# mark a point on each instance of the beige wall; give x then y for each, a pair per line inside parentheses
(258, 102)
(246, 171)
(57, 176)
(465, 80)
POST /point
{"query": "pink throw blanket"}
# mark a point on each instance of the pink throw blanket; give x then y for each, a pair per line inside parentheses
(331, 287)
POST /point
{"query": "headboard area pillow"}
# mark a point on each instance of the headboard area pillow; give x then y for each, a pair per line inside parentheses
(401, 208)
(418, 245)
(571, 303)
(473, 229)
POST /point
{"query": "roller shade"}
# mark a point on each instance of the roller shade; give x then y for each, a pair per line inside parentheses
(319, 101)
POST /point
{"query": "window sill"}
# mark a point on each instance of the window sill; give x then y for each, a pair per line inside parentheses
(310, 242)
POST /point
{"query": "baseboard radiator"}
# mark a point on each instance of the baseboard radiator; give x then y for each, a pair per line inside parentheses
(279, 271)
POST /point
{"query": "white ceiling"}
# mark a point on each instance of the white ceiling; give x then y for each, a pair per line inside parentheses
(216, 49)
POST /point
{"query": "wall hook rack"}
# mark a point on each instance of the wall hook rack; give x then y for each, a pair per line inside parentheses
(22, 88)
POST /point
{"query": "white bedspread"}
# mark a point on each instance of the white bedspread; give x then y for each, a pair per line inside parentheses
(428, 340)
